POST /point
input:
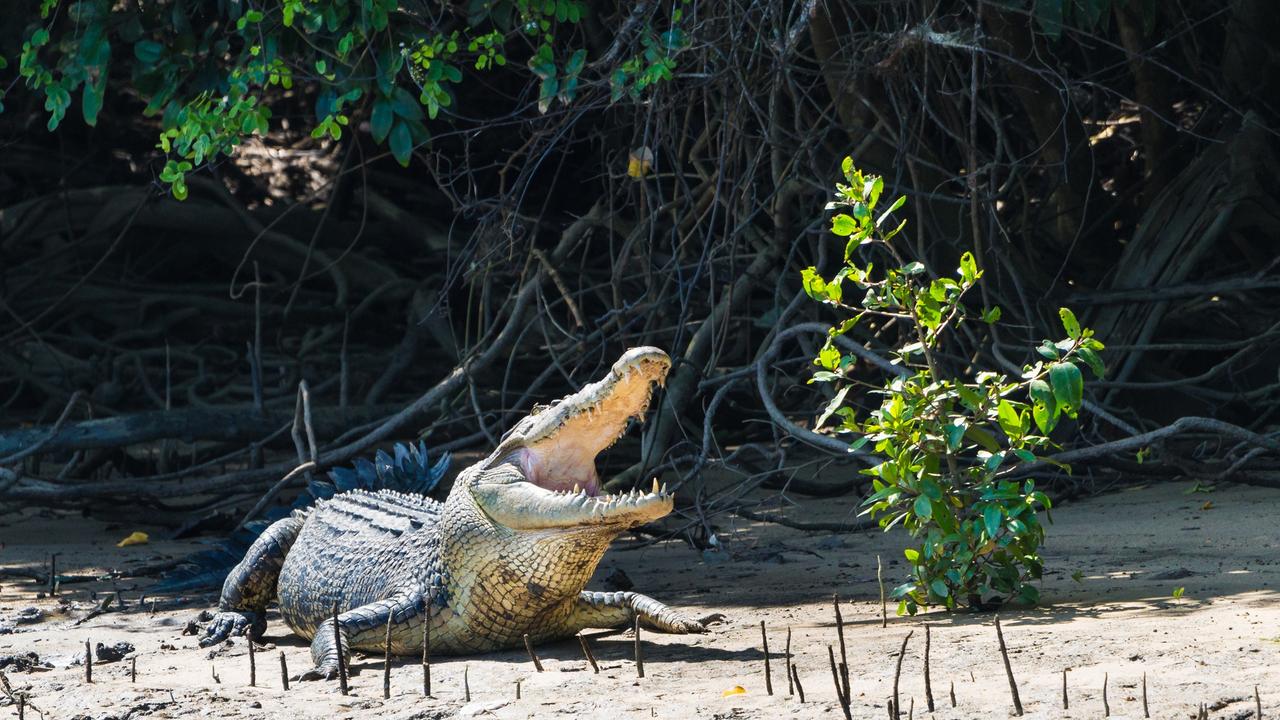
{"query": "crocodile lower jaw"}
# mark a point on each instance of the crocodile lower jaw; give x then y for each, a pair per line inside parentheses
(526, 506)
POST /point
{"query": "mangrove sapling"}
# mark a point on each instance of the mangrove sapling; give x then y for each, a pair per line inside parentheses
(768, 674)
(950, 436)
(528, 646)
(1008, 671)
(586, 650)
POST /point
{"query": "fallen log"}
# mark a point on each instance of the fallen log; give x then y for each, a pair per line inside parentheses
(229, 424)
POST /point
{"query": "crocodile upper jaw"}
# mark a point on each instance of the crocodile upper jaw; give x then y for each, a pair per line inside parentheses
(555, 451)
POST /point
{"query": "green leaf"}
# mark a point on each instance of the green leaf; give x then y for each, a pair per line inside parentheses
(1067, 384)
(992, 516)
(1008, 418)
(405, 105)
(968, 267)
(836, 403)
(1040, 391)
(814, 286)
(892, 208)
(843, 225)
(930, 489)
(913, 268)
(1044, 410)
(91, 99)
(834, 290)
(913, 555)
(148, 51)
(969, 397)
(546, 93)
(871, 190)
(402, 143)
(1070, 323)
(381, 119)
(829, 357)
(844, 327)
(923, 507)
(1041, 498)
(846, 166)
(939, 588)
(992, 315)
(983, 439)
(1093, 360)
(575, 63)
(1178, 592)
(993, 462)
(955, 434)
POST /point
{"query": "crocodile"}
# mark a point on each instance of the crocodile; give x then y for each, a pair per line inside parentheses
(507, 555)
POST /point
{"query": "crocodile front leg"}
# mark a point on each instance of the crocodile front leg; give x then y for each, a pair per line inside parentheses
(251, 585)
(620, 609)
(364, 628)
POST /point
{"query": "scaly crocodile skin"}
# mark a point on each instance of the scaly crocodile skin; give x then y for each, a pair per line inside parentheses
(508, 553)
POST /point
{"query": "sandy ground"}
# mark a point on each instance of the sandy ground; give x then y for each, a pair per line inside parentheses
(1130, 551)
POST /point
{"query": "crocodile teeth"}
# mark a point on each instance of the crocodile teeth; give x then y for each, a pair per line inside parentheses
(655, 486)
(576, 487)
(664, 486)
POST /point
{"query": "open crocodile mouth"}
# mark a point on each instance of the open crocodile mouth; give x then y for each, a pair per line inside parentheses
(555, 450)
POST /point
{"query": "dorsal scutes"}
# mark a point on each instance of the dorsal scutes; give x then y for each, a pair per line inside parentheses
(385, 511)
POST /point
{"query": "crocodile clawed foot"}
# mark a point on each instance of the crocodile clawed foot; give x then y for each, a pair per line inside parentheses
(699, 625)
(681, 625)
(702, 623)
(324, 672)
(227, 623)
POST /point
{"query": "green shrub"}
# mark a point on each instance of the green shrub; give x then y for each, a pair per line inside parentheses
(949, 438)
